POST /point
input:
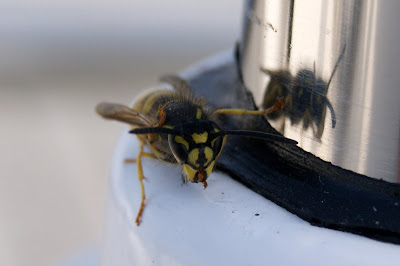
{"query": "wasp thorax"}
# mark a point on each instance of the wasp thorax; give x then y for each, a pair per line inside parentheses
(196, 149)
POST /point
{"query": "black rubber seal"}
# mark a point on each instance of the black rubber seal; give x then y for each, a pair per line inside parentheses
(317, 191)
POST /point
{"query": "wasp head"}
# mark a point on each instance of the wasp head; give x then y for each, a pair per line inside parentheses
(196, 145)
(196, 148)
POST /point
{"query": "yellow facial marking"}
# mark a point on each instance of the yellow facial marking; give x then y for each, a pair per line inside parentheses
(210, 168)
(198, 113)
(209, 155)
(179, 139)
(212, 142)
(200, 138)
(167, 126)
(193, 156)
(190, 172)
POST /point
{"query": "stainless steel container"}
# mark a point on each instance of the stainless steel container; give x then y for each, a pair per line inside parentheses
(336, 64)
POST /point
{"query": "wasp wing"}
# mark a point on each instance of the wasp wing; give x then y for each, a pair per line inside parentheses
(180, 85)
(283, 77)
(124, 114)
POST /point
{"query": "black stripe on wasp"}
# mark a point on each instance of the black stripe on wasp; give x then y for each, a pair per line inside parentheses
(181, 129)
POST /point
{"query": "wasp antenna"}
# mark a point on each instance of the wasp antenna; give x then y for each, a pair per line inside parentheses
(151, 130)
(255, 134)
(336, 66)
(333, 116)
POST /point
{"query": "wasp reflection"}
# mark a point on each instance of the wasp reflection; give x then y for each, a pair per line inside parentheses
(305, 97)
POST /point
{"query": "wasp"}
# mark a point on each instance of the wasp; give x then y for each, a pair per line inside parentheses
(180, 129)
(305, 97)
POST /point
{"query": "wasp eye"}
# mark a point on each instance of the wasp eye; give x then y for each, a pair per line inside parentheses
(179, 147)
(217, 146)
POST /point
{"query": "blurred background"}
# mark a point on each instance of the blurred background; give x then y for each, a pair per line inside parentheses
(58, 59)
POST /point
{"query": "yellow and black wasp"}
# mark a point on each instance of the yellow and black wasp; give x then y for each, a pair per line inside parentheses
(180, 128)
(305, 97)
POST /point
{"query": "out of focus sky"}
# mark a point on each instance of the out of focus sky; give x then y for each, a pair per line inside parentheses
(57, 60)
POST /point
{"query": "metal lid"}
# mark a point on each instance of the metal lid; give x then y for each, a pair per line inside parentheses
(336, 64)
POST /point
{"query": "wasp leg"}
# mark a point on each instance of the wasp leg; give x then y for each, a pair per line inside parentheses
(141, 177)
(146, 154)
(205, 184)
(150, 155)
(279, 103)
(184, 179)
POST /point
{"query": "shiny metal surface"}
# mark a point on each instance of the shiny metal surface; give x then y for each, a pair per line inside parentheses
(337, 65)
